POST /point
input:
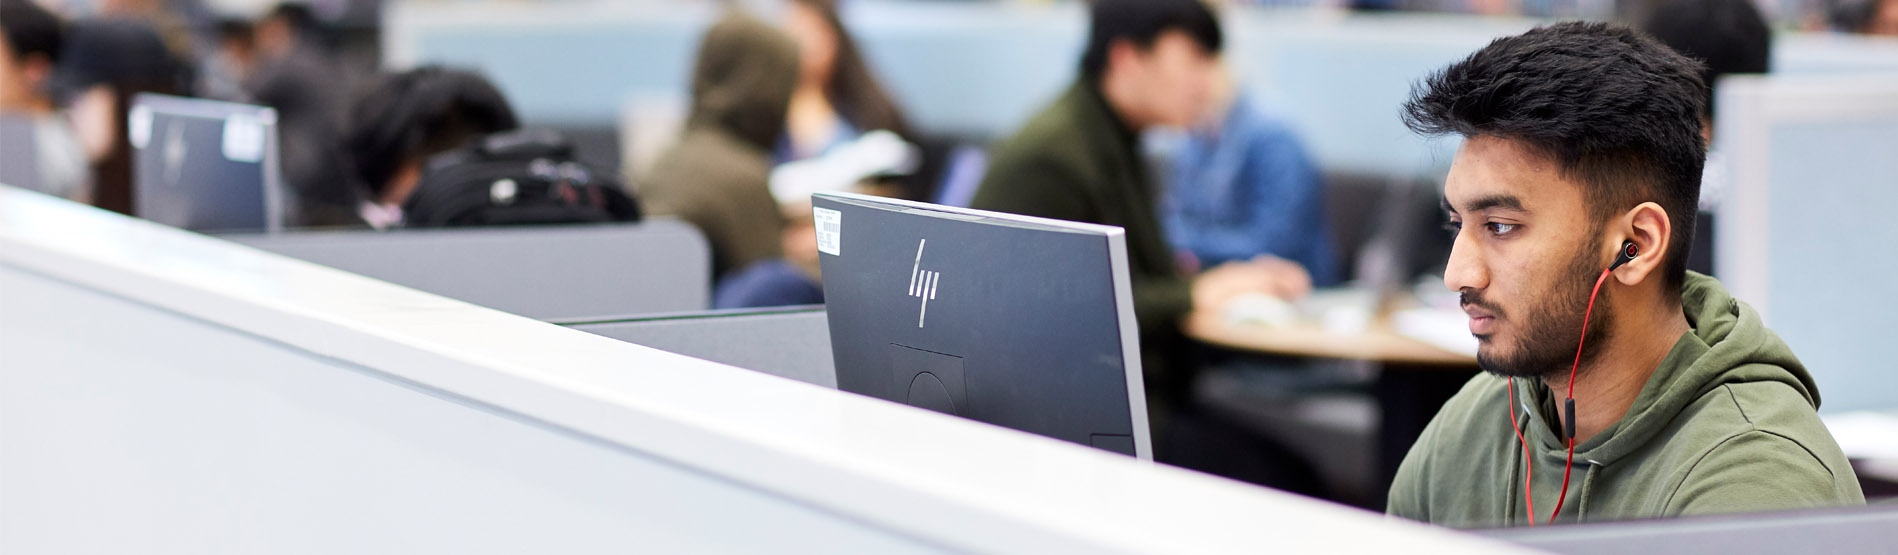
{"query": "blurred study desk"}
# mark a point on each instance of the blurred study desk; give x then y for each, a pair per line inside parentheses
(1414, 377)
(1379, 342)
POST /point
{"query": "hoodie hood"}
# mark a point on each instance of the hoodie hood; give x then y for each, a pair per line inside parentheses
(1728, 344)
(743, 80)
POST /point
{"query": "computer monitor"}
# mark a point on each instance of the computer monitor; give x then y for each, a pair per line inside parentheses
(205, 165)
(1015, 321)
(20, 159)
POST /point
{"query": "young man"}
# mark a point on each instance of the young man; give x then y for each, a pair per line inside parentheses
(1243, 186)
(1581, 144)
(1148, 63)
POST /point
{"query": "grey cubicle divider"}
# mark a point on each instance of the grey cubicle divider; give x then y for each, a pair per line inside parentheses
(1805, 230)
(792, 342)
(1862, 529)
(542, 272)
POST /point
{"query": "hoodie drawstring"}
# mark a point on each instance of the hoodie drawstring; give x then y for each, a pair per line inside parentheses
(1588, 486)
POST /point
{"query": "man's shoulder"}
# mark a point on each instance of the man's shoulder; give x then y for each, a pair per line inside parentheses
(1483, 400)
(1773, 408)
(1049, 141)
(1046, 158)
(1757, 446)
(1482, 392)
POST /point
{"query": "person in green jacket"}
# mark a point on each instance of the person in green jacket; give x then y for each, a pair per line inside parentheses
(1147, 63)
(1581, 143)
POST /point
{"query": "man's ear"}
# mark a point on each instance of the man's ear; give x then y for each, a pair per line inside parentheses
(1648, 226)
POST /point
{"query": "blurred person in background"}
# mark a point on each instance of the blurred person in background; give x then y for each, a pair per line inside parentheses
(1729, 37)
(1884, 20)
(1244, 187)
(794, 279)
(173, 20)
(839, 103)
(1870, 17)
(408, 117)
(717, 175)
(105, 62)
(1147, 64)
(293, 71)
(31, 42)
(233, 54)
(837, 99)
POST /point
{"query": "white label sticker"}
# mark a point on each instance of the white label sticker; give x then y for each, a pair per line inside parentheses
(830, 230)
(243, 139)
(138, 125)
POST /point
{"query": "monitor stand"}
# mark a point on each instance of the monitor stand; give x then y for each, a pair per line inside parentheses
(929, 380)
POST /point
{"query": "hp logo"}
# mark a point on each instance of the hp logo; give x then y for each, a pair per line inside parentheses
(922, 283)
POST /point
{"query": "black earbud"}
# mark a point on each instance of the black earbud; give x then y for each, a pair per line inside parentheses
(1628, 252)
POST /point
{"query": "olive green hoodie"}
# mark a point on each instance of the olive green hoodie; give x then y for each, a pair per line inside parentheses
(1727, 423)
(718, 175)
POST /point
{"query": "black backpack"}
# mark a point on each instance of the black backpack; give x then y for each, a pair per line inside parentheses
(516, 178)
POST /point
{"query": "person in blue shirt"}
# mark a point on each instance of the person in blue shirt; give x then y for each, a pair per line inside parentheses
(1244, 187)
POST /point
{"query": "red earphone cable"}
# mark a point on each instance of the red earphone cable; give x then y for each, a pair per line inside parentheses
(1570, 465)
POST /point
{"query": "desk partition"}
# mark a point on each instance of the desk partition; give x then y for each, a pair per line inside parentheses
(1868, 530)
(166, 392)
(542, 272)
(1806, 233)
(790, 342)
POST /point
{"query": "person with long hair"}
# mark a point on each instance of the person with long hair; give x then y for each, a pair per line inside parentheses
(837, 98)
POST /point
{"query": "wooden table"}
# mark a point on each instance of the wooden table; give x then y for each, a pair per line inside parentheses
(1377, 343)
(1414, 378)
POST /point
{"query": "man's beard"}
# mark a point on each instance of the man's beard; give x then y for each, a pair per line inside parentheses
(1546, 333)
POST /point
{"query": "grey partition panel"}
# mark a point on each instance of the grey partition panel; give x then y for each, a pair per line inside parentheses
(1859, 530)
(551, 272)
(792, 343)
(1805, 231)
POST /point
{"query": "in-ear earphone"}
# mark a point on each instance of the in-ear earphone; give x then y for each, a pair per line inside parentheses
(1627, 253)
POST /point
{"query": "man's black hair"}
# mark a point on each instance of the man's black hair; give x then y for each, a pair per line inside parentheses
(1142, 21)
(31, 29)
(413, 115)
(1616, 111)
(1729, 36)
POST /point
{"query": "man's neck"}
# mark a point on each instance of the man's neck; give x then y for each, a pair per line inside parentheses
(1636, 343)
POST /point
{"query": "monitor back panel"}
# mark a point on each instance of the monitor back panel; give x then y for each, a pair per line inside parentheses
(20, 157)
(202, 173)
(1014, 324)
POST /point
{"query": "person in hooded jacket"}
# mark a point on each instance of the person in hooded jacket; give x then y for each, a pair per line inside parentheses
(1572, 200)
(299, 77)
(717, 176)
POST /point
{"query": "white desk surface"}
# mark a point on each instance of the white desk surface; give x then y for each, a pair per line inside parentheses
(967, 486)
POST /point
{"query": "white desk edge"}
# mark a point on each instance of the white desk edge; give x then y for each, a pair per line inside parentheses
(969, 487)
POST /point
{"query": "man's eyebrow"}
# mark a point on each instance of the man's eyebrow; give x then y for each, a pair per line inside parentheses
(1486, 202)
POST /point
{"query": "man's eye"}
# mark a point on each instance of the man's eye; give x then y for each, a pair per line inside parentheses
(1500, 228)
(1453, 226)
